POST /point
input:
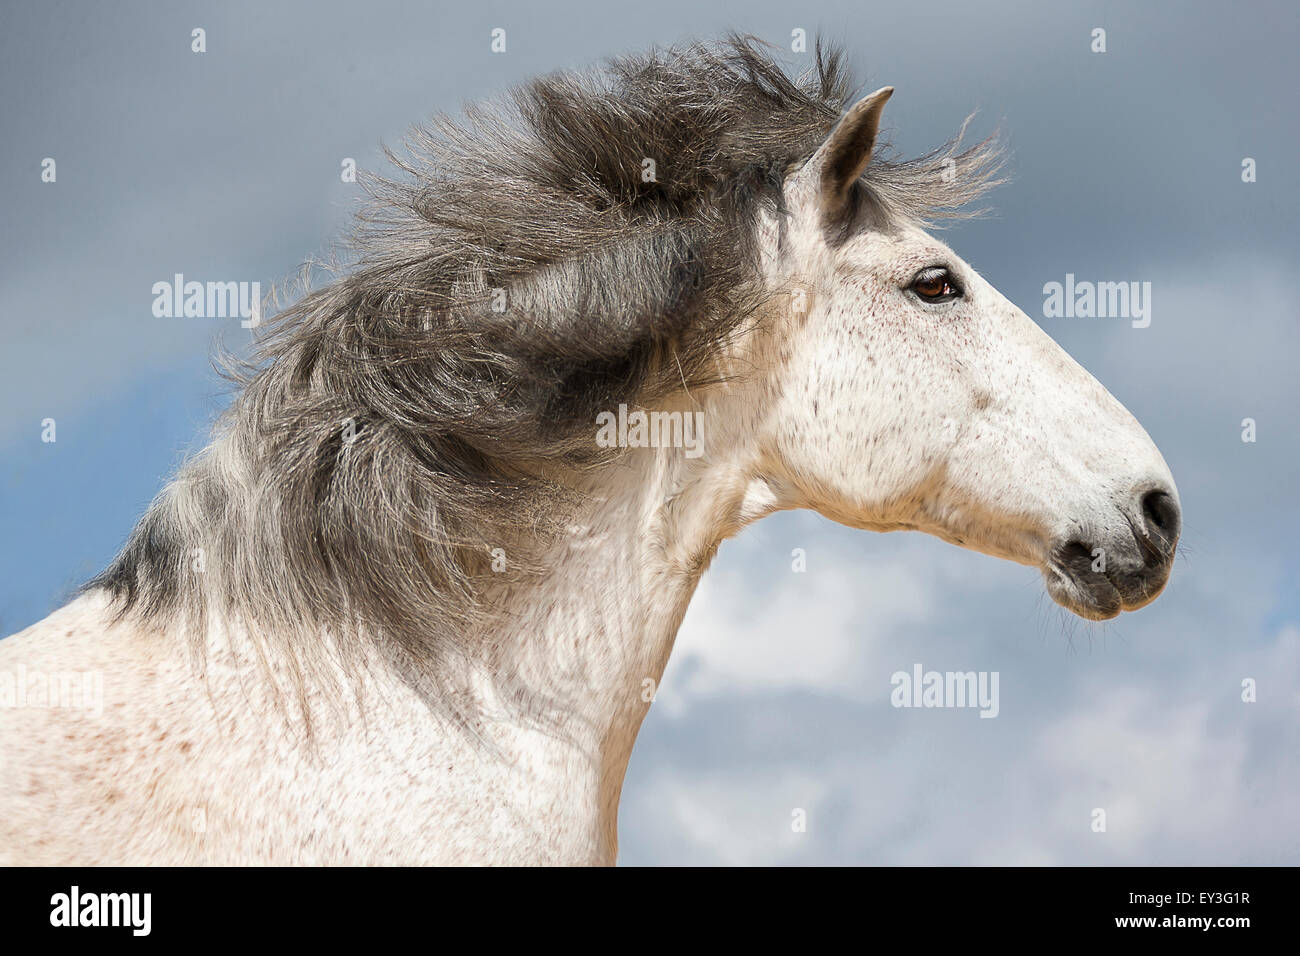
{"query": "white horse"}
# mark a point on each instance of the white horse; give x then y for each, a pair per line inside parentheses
(878, 380)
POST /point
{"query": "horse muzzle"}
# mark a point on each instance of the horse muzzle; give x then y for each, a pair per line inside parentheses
(1098, 576)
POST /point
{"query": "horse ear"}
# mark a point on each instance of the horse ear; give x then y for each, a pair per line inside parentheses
(848, 151)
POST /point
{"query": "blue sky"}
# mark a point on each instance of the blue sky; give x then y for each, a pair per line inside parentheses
(1126, 167)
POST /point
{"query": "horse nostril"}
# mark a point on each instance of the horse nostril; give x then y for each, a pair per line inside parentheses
(1163, 519)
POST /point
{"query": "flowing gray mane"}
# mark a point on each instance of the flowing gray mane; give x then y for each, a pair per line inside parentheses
(589, 242)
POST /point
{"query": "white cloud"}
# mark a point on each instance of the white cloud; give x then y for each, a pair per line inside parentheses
(1186, 773)
(757, 625)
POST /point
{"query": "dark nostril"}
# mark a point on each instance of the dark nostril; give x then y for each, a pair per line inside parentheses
(1162, 517)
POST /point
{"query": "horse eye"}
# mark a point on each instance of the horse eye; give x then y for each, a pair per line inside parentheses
(936, 285)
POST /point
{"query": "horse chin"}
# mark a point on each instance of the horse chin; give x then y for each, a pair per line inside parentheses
(1099, 596)
(1093, 598)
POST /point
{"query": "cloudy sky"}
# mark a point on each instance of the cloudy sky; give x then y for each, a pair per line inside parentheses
(1126, 165)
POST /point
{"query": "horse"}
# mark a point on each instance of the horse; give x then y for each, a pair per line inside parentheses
(410, 603)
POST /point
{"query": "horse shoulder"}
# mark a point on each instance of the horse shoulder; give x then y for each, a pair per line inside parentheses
(102, 749)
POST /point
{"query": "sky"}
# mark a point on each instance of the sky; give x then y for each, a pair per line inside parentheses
(772, 739)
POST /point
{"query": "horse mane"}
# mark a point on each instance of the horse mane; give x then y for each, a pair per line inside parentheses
(588, 241)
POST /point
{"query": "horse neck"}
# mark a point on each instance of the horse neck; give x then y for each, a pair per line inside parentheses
(588, 642)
